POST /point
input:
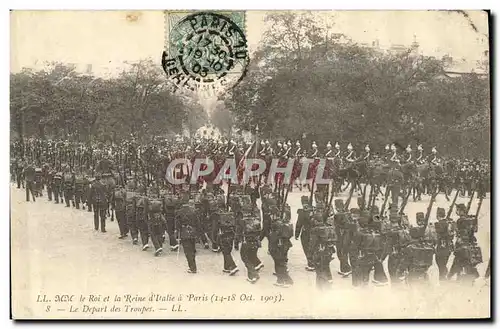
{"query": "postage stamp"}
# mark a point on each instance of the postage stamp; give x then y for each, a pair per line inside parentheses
(205, 50)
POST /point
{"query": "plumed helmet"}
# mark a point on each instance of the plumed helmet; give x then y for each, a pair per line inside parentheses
(329, 145)
(349, 146)
(314, 145)
(367, 148)
(297, 143)
(289, 143)
(393, 147)
(267, 142)
(387, 147)
(408, 148)
(434, 150)
(419, 147)
(337, 146)
(279, 144)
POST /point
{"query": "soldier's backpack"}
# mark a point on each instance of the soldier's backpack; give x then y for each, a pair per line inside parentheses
(245, 203)
(226, 220)
(155, 205)
(442, 228)
(251, 224)
(371, 241)
(476, 256)
(422, 254)
(130, 198)
(79, 180)
(58, 177)
(282, 229)
(38, 174)
(169, 200)
(186, 214)
(119, 197)
(140, 202)
(325, 233)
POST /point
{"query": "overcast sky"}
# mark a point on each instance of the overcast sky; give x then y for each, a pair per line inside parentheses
(107, 38)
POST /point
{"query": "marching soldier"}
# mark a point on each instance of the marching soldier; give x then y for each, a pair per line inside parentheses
(416, 257)
(342, 231)
(303, 230)
(79, 188)
(445, 229)
(140, 216)
(130, 212)
(188, 229)
(49, 181)
(68, 184)
(248, 233)
(38, 182)
(171, 204)
(29, 176)
(322, 246)
(366, 247)
(223, 229)
(155, 220)
(98, 198)
(434, 159)
(281, 231)
(57, 186)
(467, 252)
(118, 206)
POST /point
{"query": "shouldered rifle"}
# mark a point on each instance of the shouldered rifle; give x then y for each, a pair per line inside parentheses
(429, 207)
(348, 202)
(386, 197)
(448, 215)
(475, 224)
(312, 191)
(470, 202)
(405, 201)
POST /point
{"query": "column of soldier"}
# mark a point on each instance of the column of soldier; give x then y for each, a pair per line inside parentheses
(362, 238)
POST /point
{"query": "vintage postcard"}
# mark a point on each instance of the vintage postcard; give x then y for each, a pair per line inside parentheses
(250, 164)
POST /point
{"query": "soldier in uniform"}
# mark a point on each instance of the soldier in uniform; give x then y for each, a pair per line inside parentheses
(223, 229)
(409, 156)
(171, 204)
(155, 220)
(351, 154)
(248, 233)
(49, 181)
(19, 171)
(420, 155)
(79, 188)
(396, 239)
(29, 176)
(130, 211)
(445, 229)
(118, 206)
(188, 228)
(68, 185)
(98, 198)
(366, 247)
(57, 186)
(322, 246)
(368, 156)
(303, 230)
(467, 252)
(38, 182)
(417, 257)
(342, 231)
(140, 216)
(281, 231)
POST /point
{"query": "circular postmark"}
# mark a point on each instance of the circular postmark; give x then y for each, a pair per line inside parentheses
(206, 49)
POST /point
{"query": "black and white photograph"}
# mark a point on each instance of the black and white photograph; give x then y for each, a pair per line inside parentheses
(242, 164)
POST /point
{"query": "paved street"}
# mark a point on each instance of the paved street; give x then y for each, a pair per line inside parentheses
(56, 251)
